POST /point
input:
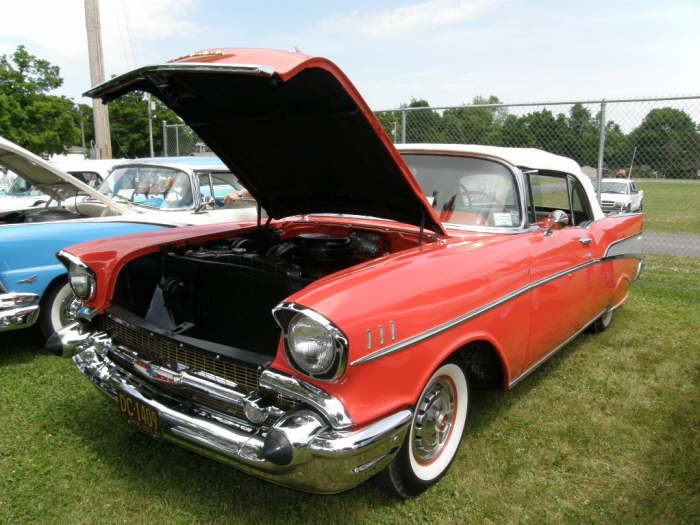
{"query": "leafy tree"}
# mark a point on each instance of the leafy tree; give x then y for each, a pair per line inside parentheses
(424, 125)
(668, 141)
(473, 125)
(29, 116)
(129, 125)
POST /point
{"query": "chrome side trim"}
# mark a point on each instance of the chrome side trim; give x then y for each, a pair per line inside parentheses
(62, 254)
(616, 250)
(330, 407)
(419, 338)
(553, 351)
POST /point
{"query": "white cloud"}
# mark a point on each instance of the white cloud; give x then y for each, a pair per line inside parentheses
(55, 30)
(405, 19)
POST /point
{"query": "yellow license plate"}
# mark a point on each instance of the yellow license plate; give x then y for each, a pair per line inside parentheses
(141, 416)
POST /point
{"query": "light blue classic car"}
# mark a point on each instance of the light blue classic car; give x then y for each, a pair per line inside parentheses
(138, 195)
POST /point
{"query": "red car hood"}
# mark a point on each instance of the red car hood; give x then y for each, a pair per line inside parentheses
(292, 128)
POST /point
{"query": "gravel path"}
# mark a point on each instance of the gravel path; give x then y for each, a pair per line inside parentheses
(685, 244)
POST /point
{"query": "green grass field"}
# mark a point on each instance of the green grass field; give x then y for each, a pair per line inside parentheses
(671, 207)
(608, 431)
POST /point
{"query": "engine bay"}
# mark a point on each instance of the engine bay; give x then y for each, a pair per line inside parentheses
(223, 291)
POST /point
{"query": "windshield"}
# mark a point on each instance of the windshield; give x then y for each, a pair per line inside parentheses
(152, 186)
(467, 190)
(21, 188)
(613, 187)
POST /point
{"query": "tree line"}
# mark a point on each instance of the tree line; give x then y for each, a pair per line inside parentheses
(46, 124)
(666, 143)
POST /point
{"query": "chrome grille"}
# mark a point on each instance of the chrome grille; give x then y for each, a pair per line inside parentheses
(160, 349)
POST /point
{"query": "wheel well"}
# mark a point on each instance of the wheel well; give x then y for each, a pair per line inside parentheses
(56, 282)
(482, 364)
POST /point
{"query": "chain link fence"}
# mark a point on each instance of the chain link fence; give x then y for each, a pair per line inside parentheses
(180, 141)
(655, 142)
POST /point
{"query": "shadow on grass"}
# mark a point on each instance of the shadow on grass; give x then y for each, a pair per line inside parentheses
(21, 346)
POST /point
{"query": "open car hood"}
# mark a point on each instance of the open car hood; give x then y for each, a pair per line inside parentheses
(293, 129)
(47, 178)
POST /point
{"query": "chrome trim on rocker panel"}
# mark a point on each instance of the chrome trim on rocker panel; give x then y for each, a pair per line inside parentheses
(611, 254)
(330, 407)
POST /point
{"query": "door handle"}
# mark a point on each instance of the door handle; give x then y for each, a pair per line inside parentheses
(585, 240)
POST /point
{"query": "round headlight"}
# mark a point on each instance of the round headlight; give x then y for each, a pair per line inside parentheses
(311, 345)
(82, 281)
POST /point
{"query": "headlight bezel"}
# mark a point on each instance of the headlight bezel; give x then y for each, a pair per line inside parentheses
(77, 267)
(286, 314)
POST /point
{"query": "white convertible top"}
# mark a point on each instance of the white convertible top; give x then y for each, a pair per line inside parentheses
(524, 158)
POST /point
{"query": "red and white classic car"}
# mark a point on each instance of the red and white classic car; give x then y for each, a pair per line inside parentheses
(339, 338)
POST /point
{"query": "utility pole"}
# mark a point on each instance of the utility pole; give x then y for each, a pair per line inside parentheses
(150, 123)
(97, 76)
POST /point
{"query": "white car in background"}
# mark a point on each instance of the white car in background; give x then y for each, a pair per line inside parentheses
(620, 195)
(22, 193)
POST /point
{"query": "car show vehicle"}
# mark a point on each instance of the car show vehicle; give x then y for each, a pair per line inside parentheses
(339, 339)
(140, 195)
(620, 195)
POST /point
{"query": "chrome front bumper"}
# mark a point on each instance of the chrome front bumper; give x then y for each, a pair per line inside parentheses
(317, 458)
(18, 310)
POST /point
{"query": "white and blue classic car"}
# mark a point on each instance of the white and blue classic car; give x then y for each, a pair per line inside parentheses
(137, 196)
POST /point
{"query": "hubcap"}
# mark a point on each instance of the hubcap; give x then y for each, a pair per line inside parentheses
(69, 309)
(434, 420)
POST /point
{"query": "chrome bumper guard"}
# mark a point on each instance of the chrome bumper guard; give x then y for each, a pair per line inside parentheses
(18, 310)
(298, 449)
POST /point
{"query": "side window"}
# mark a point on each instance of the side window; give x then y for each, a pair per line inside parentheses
(581, 210)
(218, 185)
(549, 192)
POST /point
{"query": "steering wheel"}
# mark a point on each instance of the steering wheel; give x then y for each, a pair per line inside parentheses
(464, 194)
(485, 197)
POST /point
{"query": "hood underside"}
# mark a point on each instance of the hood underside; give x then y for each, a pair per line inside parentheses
(292, 128)
(48, 179)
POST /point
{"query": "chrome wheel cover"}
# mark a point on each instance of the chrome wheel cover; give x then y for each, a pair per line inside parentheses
(69, 309)
(435, 416)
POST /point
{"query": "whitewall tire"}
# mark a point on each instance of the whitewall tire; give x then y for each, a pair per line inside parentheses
(58, 308)
(433, 439)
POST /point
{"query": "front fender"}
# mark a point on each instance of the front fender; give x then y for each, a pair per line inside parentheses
(27, 251)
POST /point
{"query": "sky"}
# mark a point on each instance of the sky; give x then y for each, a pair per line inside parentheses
(443, 51)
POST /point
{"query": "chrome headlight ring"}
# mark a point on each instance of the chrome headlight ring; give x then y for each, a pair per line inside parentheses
(82, 279)
(314, 346)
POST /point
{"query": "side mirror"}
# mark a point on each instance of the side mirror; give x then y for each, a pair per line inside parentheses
(557, 220)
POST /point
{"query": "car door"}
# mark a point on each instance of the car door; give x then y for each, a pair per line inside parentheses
(562, 295)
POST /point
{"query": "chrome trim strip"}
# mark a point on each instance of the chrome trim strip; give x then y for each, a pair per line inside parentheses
(419, 338)
(73, 259)
(553, 351)
(611, 254)
(330, 407)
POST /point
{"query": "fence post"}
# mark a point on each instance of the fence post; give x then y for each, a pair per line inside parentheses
(177, 141)
(165, 139)
(403, 127)
(601, 147)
